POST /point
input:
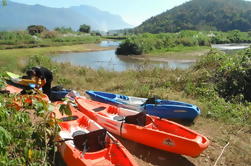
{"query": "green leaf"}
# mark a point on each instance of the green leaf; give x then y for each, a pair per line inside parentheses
(5, 137)
(65, 109)
(51, 108)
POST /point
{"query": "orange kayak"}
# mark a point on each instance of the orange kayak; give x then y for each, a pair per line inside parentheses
(84, 142)
(142, 128)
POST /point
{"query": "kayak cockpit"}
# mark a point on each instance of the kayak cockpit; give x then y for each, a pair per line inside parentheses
(84, 140)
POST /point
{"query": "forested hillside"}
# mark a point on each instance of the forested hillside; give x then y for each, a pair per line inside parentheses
(222, 15)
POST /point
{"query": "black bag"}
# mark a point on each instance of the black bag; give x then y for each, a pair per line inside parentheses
(58, 93)
(57, 88)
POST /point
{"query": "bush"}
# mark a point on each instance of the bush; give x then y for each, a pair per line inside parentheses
(129, 48)
(84, 28)
(36, 29)
(231, 74)
(233, 78)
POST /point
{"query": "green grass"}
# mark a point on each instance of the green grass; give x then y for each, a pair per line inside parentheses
(179, 49)
(180, 52)
(21, 39)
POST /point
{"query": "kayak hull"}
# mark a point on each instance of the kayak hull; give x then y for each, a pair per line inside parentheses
(158, 133)
(73, 156)
(162, 108)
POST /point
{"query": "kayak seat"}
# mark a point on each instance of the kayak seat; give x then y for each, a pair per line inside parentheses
(138, 119)
(98, 109)
(69, 118)
(119, 118)
(89, 142)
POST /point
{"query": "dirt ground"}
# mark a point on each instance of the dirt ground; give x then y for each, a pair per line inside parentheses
(237, 153)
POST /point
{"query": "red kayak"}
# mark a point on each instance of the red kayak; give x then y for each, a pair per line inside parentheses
(142, 128)
(84, 142)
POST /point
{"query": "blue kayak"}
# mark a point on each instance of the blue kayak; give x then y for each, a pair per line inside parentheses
(162, 108)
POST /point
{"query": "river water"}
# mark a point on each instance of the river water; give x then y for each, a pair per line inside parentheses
(108, 60)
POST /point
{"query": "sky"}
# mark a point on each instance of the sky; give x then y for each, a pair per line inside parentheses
(133, 12)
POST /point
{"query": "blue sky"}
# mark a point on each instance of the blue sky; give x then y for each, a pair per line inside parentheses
(133, 12)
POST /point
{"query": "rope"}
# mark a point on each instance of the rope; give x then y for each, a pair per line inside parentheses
(221, 154)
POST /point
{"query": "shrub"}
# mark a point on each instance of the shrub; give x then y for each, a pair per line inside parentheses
(233, 78)
(84, 28)
(36, 29)
(128, 47)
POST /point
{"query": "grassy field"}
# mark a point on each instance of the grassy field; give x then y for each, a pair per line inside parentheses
(180, 53)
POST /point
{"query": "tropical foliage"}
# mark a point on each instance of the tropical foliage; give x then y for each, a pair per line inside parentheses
(26, 138)
(231, 74)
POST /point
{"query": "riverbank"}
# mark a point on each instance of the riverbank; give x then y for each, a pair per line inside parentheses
(183, 56)
(16, 59)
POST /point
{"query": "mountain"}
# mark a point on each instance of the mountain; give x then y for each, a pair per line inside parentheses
(223, 15)
(16, 16)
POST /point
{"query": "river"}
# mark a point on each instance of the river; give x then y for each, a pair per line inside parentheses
(108, 60)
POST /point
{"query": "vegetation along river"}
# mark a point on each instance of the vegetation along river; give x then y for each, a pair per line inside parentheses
(108, 60)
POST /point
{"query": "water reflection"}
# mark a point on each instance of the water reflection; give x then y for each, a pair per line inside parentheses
(109, 43)
(232, 46)
(110, 61)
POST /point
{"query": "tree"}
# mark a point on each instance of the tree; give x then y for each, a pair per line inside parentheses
(35, 29)
(64, 29)
(4, 2)
(84, 28)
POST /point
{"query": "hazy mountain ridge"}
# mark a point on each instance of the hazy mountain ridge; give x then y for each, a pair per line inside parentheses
(221, 15)
(16, 16)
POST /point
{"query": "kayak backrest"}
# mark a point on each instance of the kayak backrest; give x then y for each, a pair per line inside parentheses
(151, 101)
(138, 119)
(91, 142)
